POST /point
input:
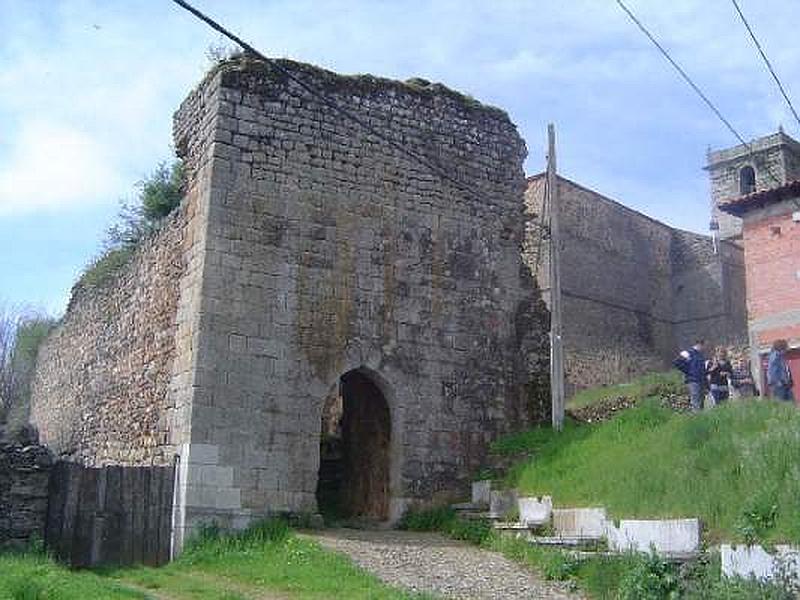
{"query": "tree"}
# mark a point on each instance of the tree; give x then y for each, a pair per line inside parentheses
(21, 334)
(159, 194)
(8, 325)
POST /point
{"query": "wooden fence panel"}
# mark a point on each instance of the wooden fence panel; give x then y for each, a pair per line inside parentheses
(110, 516)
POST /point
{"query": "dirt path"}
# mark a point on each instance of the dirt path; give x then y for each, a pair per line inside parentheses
(427, 562)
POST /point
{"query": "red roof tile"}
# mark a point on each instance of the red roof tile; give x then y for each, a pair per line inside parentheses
(742, 204)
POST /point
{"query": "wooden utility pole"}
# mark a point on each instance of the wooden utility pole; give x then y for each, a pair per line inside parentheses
(556, 347)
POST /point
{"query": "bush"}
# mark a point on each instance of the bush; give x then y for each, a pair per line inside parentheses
(159, 194)
(445, 520)
(650, 578)
(162, 192)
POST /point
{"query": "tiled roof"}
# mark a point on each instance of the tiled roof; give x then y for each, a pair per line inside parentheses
(742, 204)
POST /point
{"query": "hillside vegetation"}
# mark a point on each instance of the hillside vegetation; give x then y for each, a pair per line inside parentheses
(736, 467)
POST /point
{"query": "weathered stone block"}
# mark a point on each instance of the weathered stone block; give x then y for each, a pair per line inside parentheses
(535, 511)
(580, 522)
(502, 504)
(671, 538)
(755, 562)
(482, 492)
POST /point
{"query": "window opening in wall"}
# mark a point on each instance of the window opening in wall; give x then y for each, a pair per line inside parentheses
(747, 180)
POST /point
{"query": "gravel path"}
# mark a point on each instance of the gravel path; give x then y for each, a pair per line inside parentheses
(427, 562)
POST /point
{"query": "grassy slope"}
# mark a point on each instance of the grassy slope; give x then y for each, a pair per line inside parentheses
(266, 562)
(736, 467)
(651, 384)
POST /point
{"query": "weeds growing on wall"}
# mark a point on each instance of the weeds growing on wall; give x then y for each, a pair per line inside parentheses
(158, 195)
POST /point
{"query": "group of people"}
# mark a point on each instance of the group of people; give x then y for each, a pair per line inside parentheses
(717, 379)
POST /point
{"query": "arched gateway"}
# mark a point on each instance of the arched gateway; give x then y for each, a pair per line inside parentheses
(355, 450)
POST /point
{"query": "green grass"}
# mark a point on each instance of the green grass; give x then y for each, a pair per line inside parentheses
(37, 577)
(265, 560)
(651, 384)
(736, 467)
(267, 556)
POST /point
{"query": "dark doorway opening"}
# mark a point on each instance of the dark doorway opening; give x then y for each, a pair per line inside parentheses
(354, 451)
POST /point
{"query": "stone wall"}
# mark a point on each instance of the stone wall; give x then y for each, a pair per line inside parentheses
(329, 250)
(634, 290)
(100, 394)
(708, 291)
(24, 478)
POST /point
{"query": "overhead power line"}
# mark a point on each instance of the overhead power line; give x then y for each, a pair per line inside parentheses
(766, 60)
(424, 161)
(694, 86)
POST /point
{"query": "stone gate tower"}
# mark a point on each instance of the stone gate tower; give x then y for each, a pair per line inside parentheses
(326, 322)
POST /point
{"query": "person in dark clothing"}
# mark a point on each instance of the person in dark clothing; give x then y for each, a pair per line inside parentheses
(742, 384)
(779, 377)
(720, 372)
(692, 363)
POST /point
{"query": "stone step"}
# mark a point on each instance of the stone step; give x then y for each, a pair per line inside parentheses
(587, 554)
(565, 541)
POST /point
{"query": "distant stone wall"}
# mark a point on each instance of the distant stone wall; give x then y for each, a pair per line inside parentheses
(100, 394)
(708, 291)
(24, 478)
(634, 290)
(328, 251)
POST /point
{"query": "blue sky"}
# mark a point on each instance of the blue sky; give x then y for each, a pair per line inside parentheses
(88, 88)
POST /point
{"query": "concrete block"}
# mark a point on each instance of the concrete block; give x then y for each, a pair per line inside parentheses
(755, 562)
(482, 492)
(533, 511)
(669, 538)
(203, 454)
(580, 522)
(501, 503)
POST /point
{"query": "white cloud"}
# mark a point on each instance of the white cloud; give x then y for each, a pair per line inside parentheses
(52, 166)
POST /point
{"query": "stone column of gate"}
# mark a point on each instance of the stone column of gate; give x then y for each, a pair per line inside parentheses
(327, 249)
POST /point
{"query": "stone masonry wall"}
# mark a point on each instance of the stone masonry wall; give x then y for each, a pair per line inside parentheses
(634, 290)
(328, 250)
(24, 478)
(100, 394)
(708, 291)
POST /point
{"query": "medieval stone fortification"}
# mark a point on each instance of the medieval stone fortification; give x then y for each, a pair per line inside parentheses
(634, 290)
(327, 324)
(313, 273)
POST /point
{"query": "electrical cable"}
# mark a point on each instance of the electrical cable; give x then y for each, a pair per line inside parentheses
(429, 164)
(695, 87)
(766, 60)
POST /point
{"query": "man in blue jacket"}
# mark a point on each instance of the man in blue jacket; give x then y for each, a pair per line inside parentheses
(692, 363)
(779, 377)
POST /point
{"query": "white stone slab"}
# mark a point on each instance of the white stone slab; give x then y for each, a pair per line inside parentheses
(755, 562)
(482, 492)
(502, 503)
(667, 537)
(535, 511)
(579, 522)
